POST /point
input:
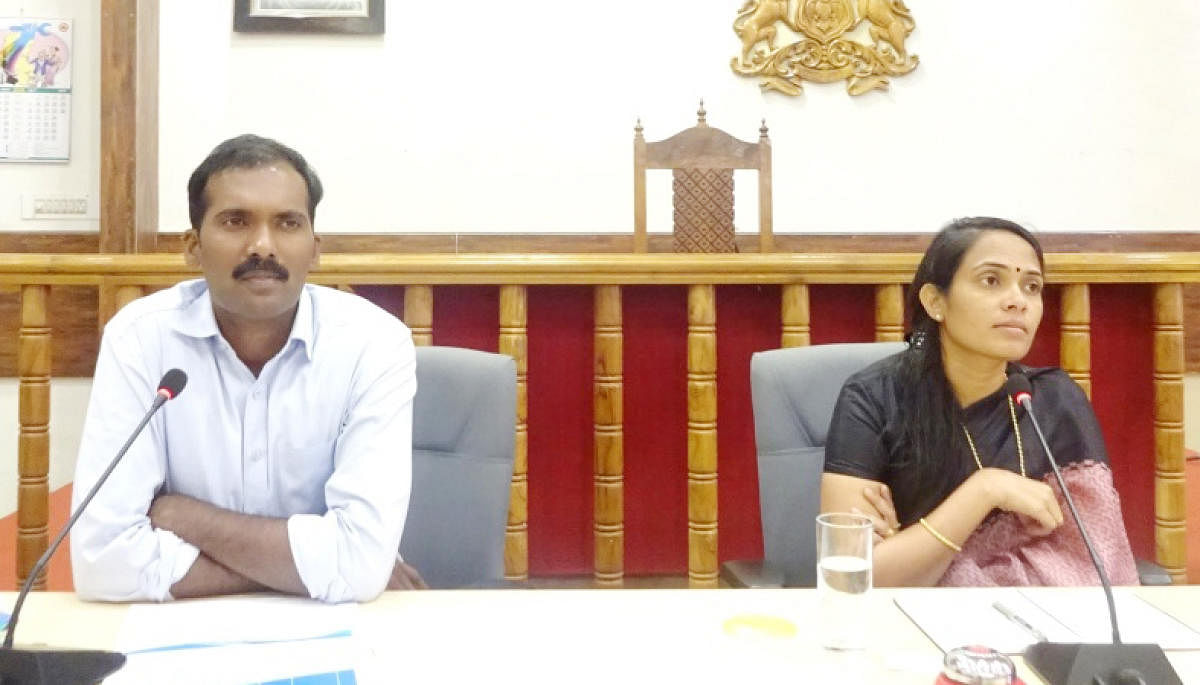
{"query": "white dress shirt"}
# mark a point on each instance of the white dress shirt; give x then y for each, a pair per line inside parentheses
(323, 437)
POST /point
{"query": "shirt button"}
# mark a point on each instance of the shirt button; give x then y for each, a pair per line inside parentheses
(257, 394)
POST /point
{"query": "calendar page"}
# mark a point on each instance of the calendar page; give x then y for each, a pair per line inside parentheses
(35, 89)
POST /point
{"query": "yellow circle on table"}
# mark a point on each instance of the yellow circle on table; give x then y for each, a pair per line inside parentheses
(759, 624)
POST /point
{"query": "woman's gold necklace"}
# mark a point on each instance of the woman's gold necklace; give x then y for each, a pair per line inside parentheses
(1012, 412)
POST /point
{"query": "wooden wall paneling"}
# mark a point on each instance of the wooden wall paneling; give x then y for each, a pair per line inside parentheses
(794, 312)
(889, 313)
(418, 313)
(702, 436)
(608, 439)
(128, 125)
(1170, 500)
(33, 442)
(514, 342)
(1075, 335)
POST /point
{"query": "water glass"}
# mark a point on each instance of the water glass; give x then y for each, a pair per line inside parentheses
(843, 577)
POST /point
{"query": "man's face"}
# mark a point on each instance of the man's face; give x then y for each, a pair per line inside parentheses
(255, 244)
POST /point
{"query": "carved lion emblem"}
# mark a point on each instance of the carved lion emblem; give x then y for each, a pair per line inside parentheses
(824, 53)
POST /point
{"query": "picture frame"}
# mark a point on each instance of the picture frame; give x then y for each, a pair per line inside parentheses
(363, 17)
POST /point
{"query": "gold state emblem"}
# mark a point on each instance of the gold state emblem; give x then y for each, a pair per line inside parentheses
(824, 54)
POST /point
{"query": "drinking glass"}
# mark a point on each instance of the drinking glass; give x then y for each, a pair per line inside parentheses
(843, 578)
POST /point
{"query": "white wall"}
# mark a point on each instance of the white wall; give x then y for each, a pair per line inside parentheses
(81, 175)
(491, 116)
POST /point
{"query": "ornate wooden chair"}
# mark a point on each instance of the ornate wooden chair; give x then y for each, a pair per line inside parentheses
(703, 160)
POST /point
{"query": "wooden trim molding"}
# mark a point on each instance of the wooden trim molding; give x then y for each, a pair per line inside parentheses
(595, 269)
(128, 125)
(357, 243)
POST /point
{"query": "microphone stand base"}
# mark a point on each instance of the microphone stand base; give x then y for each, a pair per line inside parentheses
(57, 666)
(1087, 664)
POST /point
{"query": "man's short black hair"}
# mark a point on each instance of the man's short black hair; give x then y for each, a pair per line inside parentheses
(248, 151)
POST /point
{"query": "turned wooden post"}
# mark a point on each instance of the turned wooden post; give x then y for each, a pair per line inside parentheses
(1170, 500)
(795, 317)
(608, 466)
(702, 436)
(889, 313)
(1075, 336)
(33, 442)
(513, 342)
(418, 313)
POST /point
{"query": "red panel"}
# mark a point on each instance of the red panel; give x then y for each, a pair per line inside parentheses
(467, 316)
(655, 429)
(1123, 396)
(560, 423)
(747, 322)
(842, 313)
(560, 430)
(1046, 348)
(389, 297)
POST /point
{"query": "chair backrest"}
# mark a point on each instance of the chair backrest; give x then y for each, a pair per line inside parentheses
(703, 159)
(464, 427)
(794, 391)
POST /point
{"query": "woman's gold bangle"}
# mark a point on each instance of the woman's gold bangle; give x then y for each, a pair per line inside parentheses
(940, 538)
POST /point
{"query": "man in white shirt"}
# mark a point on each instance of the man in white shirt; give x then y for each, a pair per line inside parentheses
(287, 463)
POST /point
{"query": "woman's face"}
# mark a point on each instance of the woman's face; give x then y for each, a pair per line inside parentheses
(994, 304)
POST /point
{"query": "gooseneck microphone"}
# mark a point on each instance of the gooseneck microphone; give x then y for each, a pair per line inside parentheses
(1088, 664)
(66, 667)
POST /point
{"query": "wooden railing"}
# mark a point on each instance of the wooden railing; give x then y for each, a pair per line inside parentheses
(121, 278)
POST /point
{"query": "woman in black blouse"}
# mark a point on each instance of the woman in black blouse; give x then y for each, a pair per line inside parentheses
(928, 443)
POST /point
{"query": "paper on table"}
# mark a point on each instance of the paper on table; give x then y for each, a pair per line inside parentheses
(236, 640)
(240, 664)
(1085, 612)
(954, 618)
(231, 620)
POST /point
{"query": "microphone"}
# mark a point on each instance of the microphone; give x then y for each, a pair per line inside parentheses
(67, 667)
(1118, 663)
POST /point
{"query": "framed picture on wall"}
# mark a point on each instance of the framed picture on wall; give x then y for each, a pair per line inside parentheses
(308, 16)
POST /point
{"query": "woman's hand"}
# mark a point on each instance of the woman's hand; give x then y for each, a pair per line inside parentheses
(1031, 500)
(882, 513)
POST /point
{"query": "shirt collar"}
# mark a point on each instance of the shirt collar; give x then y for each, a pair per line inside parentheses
(196, 318)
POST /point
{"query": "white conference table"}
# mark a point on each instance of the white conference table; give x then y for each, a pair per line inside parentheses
(605, 636)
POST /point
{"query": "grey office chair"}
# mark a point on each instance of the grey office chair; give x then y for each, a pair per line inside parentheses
(464, 425)
(793, 392)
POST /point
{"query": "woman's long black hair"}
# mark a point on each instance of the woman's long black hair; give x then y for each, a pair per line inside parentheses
(932, 430)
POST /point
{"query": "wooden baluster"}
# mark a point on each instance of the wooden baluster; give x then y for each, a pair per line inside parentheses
(33, 445)
(1170, 502)
(889, 313)
(126, 294)
(795, 317)
(608, 526)
(513, 343)
(1075, 336)
(702, 436)
(112, 298)
(418, 313)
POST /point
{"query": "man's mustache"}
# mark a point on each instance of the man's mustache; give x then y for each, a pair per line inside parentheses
(256, 263)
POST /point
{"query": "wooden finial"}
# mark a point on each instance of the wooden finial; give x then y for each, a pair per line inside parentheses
(762, 131)
(637, 130)
(700, 115)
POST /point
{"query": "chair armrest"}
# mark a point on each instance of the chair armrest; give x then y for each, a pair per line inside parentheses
(1150, 573)
(750, 574)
